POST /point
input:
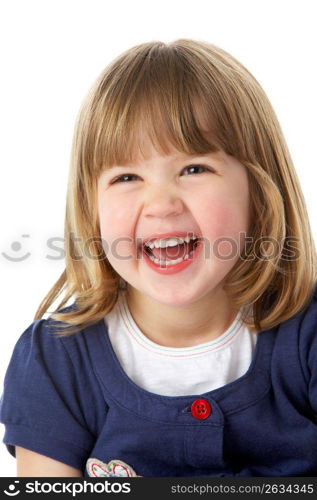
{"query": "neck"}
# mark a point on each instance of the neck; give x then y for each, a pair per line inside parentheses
(181, 326)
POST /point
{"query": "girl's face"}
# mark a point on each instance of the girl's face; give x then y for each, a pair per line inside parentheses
(206, 195)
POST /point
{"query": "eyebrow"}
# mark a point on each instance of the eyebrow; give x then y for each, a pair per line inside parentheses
(185, 159)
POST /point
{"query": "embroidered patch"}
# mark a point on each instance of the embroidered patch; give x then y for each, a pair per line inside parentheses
(114, 468)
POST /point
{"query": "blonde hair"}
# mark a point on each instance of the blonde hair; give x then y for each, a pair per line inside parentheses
(164, 89)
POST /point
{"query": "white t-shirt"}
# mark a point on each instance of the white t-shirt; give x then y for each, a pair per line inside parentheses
(172, 371)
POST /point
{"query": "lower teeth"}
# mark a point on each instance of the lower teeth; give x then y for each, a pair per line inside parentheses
(169, 262)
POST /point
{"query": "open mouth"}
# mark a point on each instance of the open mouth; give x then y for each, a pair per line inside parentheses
(171, 254)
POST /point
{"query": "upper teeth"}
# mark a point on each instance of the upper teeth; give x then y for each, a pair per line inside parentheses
(169, 242)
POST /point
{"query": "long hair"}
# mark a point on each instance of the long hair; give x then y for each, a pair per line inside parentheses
(164, 89)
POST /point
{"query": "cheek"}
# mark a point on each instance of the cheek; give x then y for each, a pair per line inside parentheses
(224, 222)
(223, 216)
(115, 229)
(113, 217)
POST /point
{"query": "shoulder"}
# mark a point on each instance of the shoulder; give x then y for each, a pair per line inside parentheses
(49, 332)
(77, 345)
(39, 338)
(304, 323)
(307, 338)
(49, 403)
(294, 353)
(41, 349)
(51, 379)
(296, 338)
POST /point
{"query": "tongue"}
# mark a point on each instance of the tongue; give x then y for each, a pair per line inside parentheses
(173, 253)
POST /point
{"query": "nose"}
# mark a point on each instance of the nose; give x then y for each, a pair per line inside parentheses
(163, 204)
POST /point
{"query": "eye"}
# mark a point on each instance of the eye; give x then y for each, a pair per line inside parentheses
(118, 179)
(121, 177)
(198, 166)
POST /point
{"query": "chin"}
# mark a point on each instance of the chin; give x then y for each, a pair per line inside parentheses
(170, 298)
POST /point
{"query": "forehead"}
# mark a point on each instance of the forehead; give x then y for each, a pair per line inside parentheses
(146, 148)
(152, 128)
(145, 152)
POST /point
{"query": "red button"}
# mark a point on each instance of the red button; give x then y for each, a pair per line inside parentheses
(200, 409)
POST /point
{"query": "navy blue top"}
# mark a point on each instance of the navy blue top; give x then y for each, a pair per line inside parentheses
(69, 399)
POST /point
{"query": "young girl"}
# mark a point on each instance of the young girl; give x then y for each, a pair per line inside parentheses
(189, 347)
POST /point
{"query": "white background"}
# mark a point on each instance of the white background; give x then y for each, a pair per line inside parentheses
(52, 51)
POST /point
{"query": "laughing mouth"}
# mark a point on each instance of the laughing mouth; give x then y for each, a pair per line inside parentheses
(185, 251)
